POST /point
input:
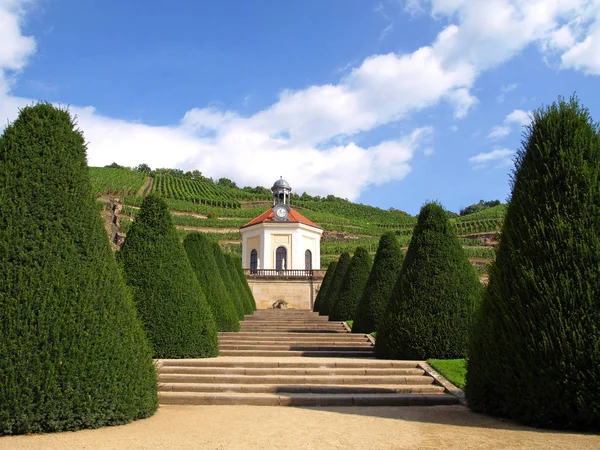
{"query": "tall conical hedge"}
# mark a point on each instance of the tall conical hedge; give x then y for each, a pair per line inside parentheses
(232, 261)
(245, 285)
(336, 283)
(433, 303)
(199, 250)
(172, 306)
(381, 282)
(73, 353)
(352, 286)
(534, 354)
(233, 293)
(324, 286)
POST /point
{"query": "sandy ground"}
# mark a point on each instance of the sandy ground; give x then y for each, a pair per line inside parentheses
(259, 427)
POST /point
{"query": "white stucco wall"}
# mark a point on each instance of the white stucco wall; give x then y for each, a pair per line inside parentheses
(295, 237)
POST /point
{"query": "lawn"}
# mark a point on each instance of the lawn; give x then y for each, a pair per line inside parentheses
(452, 369)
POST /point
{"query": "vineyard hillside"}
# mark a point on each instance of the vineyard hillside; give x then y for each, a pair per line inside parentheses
(218, 209)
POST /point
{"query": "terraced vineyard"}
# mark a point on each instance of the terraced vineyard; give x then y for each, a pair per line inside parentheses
(220, 210)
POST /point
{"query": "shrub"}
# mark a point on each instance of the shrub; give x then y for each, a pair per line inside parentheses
(73, 353)
(233, 261)
(167, 293)
(199, 250)
(245, 285)
(534, 354)
(433, 303)
(381, 282)
(227, 280)
(324, 286)
(336, 283)
(352, 286)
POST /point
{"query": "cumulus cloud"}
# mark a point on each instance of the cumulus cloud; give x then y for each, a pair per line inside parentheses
(518, 118)
(312, 131)
(499, 157)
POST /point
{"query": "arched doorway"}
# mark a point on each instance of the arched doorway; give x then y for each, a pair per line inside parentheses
(281, 258)
(307, 260)
(253, 260)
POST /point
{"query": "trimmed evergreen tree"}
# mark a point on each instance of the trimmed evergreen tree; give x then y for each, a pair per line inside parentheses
(232, 262)
(352, 286)
(336, 283)
(534, 354)
(433, 303)
(73, 353)
(170, 301)
(245, 285)
(324, 286)
(199, 250)
(227, 280)
(381, 282)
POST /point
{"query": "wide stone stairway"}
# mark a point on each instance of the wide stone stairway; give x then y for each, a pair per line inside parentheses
(297, 358)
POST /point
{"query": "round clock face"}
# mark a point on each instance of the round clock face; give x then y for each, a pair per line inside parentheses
(281, 212)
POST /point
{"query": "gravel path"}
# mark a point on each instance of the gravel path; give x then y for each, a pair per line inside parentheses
(259, 427)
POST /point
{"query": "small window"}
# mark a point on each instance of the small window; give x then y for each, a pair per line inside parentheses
(281, 258)
(308, 260)
(254, 259)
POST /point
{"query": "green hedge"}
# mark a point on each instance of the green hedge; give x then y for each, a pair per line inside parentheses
(247, 301)
(433, 303)
(73, 353)
(238, 265)
(199, 250)
(324, 286)
(336, 283)
(226, 275)
(167, 293)
(352, 286)
(381, 282)
(534, 355)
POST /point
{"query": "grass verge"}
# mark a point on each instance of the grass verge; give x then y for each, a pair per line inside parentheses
(454, 370)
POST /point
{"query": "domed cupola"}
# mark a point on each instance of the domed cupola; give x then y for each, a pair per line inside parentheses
(281, 192)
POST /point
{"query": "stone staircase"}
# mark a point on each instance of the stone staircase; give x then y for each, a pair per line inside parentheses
(297, 358)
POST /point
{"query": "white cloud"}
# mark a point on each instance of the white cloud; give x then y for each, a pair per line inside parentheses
(505, 90)
(311, 131)
(502, 157)
(517, 117)
(498, 132)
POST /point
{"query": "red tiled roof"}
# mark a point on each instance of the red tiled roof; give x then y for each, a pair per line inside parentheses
(293, 217)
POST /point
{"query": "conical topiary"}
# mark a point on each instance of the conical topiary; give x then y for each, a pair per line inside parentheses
(378, 290)
(199, 250)
(352, 286)
(324, 286)
(232, 261)
(432, 305)
(73, 353)
(227, 280)
(534, 354)
(172, 306)
(336, 283)
(245, 285)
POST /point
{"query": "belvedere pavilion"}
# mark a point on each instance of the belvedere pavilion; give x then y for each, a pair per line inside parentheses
(281, 254)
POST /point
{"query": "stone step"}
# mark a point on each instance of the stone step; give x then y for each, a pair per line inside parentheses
(255, 371)
(228, 398)
(290, 353)
(300, 335)
(303, 388)
(312, 348)
(288, 363)
(294, 337)
(289, 343)
(294, 329)
(294, 379)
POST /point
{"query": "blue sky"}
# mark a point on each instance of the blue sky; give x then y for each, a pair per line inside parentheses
(389, 103)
